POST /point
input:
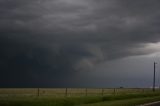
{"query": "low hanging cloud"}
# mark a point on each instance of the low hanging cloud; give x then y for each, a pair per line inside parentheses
(55, 39)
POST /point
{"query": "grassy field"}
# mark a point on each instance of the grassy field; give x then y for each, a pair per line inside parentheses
(76, 97)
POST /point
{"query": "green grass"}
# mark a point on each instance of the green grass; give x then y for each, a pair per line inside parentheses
(125, 102)
(110, 100)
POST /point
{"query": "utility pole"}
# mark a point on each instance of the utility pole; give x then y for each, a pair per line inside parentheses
(154, 76)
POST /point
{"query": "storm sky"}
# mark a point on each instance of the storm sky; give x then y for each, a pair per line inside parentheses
(79, 43)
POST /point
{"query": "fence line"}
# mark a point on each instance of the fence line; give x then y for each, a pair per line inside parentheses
(66, 92)
(71, 91)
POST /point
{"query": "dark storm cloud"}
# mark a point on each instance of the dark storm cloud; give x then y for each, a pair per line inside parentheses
(55, 39)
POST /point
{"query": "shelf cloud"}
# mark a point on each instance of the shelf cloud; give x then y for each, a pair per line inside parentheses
(54, 40)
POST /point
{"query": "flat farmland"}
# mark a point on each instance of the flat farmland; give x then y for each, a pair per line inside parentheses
(77, 96)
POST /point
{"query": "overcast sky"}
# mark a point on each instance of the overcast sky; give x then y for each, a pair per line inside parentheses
(79, 43)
